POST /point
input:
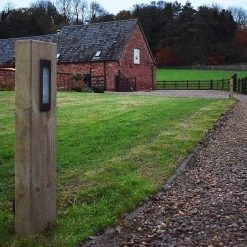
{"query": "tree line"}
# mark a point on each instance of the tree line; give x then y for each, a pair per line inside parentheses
(178, 34)
(44, 17)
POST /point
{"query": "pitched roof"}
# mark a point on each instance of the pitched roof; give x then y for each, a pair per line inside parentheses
(80, 43)
(7, 47)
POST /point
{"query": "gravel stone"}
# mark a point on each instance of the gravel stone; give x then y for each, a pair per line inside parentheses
(205, 204)
(186, 93)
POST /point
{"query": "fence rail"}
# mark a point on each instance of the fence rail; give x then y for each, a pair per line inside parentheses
(193, 85)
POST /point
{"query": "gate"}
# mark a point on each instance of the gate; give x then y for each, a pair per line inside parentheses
(239, 84)
(124, 84)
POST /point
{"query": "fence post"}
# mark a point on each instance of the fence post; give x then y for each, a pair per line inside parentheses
(235, 82)
(245, 82)
(187, 84)
(242, 85)
(211, 84)
(231, 87)
(222, 84)
(199, 84)
(164, 84)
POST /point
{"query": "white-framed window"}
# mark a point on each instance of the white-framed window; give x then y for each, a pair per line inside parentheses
(137, 56)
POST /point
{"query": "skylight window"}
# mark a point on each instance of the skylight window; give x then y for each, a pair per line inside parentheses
(58, 56)
(97, 54)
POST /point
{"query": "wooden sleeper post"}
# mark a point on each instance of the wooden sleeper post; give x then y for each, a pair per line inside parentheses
(35, 159)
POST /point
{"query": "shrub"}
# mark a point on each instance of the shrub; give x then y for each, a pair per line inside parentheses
(77, 77)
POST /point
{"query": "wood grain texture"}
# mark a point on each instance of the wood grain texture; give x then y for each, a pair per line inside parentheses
(35, 157)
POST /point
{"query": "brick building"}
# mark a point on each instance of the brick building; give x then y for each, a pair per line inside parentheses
(113, 53)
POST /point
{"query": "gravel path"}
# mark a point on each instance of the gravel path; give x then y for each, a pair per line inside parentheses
(187, 93)
(205, 205)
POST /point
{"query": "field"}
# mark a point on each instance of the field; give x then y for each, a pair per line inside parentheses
(112, 153)
(193, 74)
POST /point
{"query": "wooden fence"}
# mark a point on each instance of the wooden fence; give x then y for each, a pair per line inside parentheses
(193, 85)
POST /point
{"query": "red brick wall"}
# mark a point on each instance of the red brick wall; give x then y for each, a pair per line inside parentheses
(64, 80)
(7, 79)
(95, 68)
(145, 71)
(111, 71)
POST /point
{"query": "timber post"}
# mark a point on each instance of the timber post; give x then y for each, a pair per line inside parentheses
(35, 123)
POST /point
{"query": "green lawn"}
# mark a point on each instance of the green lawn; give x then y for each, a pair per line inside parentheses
(112, 152)
(193, 74)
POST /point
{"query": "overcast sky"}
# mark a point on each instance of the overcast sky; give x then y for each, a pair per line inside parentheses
(114, 6)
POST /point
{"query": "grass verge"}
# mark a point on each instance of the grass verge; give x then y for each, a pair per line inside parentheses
(194, 74)
(112, 153)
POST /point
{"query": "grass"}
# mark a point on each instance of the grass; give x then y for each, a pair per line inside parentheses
(193, 74)
(112, 153)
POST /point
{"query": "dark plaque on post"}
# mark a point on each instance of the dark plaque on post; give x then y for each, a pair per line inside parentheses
(45, 86)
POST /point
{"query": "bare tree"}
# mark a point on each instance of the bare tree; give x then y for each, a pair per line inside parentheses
(9, 6)
(239, 16)
(6, 11)
(75, 11)
(84, 10)
(96, 10)
(65, 8)
(79, 10)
